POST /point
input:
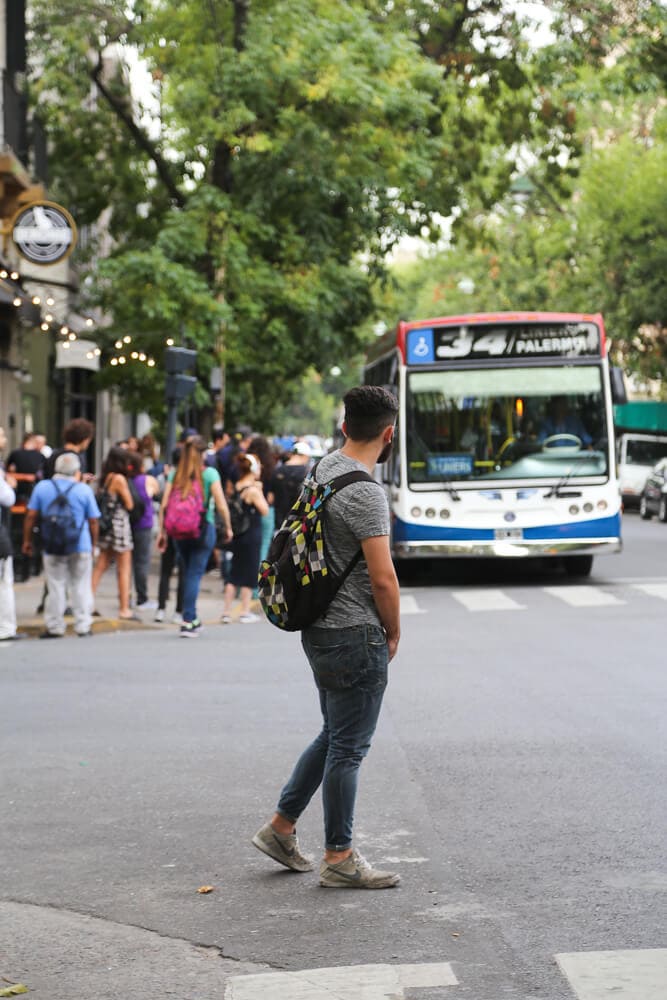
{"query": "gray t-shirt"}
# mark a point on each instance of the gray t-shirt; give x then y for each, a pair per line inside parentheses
(360, 511)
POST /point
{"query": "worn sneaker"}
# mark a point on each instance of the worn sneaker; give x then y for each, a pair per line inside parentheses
(190, 629)
(248, 619)
(283, 848)
(159, 615)
(356, 873)
(225, 619)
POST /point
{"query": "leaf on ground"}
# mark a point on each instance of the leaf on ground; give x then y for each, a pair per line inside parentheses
(13, 990)
(205, 888)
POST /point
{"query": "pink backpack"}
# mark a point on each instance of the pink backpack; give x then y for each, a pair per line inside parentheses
(183, 516)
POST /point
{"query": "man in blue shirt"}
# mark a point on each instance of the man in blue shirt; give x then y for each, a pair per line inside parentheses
(72, 571)
(562, 421)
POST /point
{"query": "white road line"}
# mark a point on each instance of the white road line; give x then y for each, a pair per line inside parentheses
(486, 600)
(351, 982)
(583, 597)
(653, 589)
(623, 975)
(409, 605)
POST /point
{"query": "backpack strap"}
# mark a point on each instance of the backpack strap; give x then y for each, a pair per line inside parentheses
(337, 484)
(61, 493)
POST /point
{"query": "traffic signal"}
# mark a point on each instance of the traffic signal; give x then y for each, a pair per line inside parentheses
(179, 386)
(179, 359)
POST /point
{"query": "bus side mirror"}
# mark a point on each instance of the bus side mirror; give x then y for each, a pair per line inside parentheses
(618, 394)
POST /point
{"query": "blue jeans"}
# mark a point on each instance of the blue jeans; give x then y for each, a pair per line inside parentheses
(193, 555)
(350, 670)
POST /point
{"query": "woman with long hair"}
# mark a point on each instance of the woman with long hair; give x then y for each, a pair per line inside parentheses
(115, 539)
(190, 476)
(246, 547)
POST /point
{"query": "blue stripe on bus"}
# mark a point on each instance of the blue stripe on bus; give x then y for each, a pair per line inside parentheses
(602, 527)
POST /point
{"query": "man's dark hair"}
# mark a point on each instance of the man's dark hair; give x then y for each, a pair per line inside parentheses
(218, 433)
(368, 410)
(78, 430)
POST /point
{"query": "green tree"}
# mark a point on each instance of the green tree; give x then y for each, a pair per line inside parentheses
(295, 144)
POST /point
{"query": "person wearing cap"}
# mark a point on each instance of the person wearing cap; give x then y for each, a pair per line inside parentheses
(288, 479)
(69, 573)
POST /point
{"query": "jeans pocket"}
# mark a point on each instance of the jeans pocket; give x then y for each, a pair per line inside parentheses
(336, 660)
(342, 662)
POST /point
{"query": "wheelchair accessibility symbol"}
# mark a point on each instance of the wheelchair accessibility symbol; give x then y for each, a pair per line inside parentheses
(420, 346)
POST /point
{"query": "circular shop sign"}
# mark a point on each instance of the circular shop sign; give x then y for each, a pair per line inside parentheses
(44, 233)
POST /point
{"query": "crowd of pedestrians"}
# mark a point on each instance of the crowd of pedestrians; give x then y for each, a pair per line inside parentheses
(208, 507)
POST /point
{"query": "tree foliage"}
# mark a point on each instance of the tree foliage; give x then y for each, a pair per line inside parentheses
(284, 148)
(597, 242)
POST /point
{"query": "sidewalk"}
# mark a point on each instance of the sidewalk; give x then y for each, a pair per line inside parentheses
(29, 596)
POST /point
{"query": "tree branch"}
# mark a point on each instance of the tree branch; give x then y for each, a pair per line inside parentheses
(138, 134)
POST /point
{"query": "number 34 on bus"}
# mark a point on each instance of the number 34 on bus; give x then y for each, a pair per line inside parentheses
(505, 443)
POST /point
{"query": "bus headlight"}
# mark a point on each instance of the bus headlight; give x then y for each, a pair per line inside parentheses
(602, 504)
(429, 512)
(574, 509)
(416, 512)
(444, 514)
(588, 507)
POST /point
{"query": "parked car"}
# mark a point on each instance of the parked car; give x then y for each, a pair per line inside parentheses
(654, 495)
(637, 454)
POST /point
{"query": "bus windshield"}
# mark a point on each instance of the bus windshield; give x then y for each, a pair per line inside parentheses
(502, 423)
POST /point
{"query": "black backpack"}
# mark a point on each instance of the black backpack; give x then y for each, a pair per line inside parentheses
(296, 584)
(59, 527)
(239, 514)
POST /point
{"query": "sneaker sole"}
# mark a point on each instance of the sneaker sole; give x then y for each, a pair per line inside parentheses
(261, 846)
(387, 884)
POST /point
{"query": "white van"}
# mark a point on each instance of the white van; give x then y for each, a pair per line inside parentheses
(637, 454)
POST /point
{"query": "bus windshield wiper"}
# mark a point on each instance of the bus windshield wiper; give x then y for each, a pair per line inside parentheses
(556, 490)
(448, 488)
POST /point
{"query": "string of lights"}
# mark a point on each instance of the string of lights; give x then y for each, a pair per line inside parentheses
(49, 323)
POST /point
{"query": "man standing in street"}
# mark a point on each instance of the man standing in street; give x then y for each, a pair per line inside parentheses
(70, 572)
(349, 649)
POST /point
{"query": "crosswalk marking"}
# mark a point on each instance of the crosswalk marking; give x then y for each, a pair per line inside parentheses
(623, 975)
(409, 605)
(583, 597)
(475, 599)
(653, 589)
(353, 982)
(486, 600)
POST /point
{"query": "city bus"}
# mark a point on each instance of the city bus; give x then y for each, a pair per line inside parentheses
(505, 442)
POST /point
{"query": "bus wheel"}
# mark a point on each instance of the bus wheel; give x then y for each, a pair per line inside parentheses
(644, 512)
(662, 509)
(578, 565)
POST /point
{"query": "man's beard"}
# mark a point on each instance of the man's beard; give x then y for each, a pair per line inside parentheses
(386, 452)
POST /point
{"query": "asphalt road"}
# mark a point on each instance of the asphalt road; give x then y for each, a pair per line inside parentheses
(516, 781)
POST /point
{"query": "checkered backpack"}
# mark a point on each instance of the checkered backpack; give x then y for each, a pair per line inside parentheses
(296, 584)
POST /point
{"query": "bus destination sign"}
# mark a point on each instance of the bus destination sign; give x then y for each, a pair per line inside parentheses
(484, 341)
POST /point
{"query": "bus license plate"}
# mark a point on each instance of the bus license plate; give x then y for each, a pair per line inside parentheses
(508, 534)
